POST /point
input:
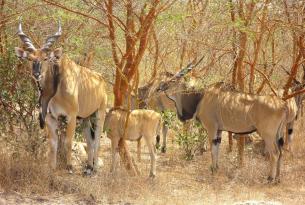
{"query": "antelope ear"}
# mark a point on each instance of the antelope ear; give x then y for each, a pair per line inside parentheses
(57, 53)
(20, 53)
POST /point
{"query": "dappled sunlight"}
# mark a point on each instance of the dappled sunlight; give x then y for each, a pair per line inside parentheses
(152, 102)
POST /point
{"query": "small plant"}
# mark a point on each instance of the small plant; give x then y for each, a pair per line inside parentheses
(192, 139)
(168, 118)
(18, 107)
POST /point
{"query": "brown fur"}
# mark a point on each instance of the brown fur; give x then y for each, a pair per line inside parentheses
(149, 98)
(292, 105)
(81, 92)
(68, 90)
(71, 91)
(222, 110)
(141, 124)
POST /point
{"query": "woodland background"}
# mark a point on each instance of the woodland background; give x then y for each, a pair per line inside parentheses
(253, 44)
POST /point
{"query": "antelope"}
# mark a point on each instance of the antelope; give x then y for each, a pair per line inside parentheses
(69, 90)
(221, 109)
(141, 123)
(188, 108)
(149, 97)
(294, 105)
(159, 103)
(293, 108)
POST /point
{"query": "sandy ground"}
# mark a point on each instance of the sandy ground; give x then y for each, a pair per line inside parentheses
(179, 181)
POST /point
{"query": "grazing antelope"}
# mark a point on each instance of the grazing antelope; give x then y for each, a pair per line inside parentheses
(69, 90)
(141, 124)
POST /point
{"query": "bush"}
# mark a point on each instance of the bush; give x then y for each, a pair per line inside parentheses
(193, 140)
(18, 101)
(191, 137)
(23, 143)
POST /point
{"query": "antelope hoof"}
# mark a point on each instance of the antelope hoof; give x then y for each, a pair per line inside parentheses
(272, 180)
(163, 149)
(241, 164)
(70, 169)
(88, 170)
(152, 175)
(277, 180)
(214, 169)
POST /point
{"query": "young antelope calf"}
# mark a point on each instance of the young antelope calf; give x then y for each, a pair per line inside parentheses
(141, 123)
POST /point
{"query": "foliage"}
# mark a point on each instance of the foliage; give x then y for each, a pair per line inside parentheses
(181, 33)
(191, 140)
(18, 112)
(168, 118)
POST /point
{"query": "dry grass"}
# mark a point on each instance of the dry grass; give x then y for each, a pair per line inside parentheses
(177, 182)
(23, 173)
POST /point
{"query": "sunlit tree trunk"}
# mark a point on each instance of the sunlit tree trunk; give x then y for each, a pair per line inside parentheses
(239, 67)
(257, 47)
(135, 44)
(127, 62)
(264, 82)
(298, 44)
(3, 37)
(234, 51)
(234, 48)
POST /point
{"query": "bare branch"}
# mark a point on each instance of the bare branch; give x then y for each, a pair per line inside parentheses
(294, 94)
(267, 80)
(52, 3)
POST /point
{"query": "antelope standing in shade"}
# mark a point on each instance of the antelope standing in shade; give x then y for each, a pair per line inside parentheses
(146, 99)
(149, 97)
(221, 109)
(141, 124)
(69, 90)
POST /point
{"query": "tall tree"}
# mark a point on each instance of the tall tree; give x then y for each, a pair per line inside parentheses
(136, 29)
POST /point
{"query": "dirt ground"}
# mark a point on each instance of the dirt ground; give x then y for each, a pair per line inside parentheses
(179, 181)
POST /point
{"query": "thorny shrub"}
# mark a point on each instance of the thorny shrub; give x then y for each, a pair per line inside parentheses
(18, 113)
(23, 142)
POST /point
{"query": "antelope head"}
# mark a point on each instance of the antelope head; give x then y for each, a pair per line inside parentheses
(45, 68)
(175, 79)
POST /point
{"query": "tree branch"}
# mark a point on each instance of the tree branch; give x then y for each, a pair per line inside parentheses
(52, 3)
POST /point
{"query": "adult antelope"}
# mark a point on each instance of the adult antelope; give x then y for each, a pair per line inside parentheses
(149, 98)
(221, 109)
(294, 105)
(69, 90)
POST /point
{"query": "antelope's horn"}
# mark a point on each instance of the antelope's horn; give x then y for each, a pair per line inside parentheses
(288, 73)
(186, 70)
(24, 38)
(51, 39)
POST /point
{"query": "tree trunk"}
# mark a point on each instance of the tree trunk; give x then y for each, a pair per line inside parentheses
(135, 46)
(257, 47)
(3, 37)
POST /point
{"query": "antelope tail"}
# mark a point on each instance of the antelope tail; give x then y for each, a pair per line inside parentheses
(281, 131)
